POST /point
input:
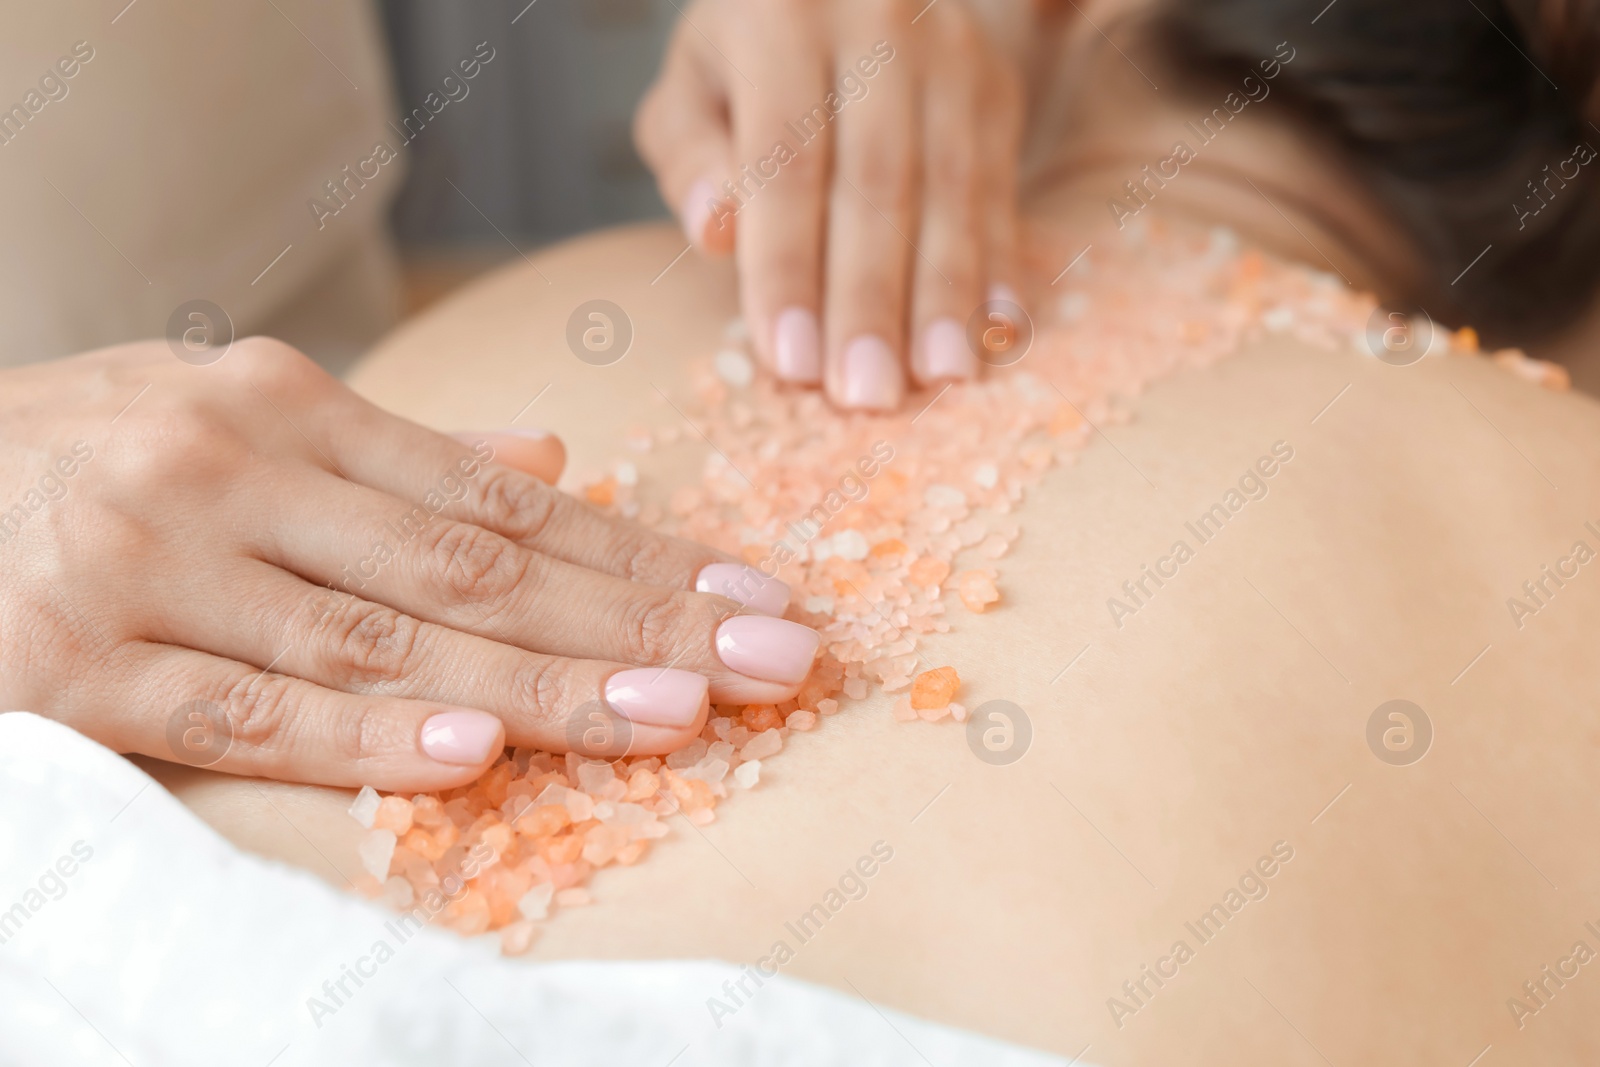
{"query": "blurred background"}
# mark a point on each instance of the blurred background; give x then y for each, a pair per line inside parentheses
(545, 149)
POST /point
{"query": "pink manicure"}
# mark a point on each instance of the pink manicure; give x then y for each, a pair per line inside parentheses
(872, 377)
(746, 585)
(797, 346)
(944, 352)
(657, 696)
(697, 210)
(773, 650)
(463, 737)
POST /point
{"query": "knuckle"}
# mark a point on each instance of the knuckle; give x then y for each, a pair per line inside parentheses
(540, 685)
(260, 709)
(653, 623)
(646, 557)
(269, 361)
(370, 644)
(951, 165)
(883, 171)
(519, 505)
(479, 565)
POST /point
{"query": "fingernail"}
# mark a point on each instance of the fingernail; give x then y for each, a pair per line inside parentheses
(797, 346)
(464, 737)
(657, 696)
(698, 205)
(774, 650)
(944, 353)
(871, 374)
(746, 585)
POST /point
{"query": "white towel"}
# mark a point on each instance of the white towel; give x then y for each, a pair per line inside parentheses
(131, 933)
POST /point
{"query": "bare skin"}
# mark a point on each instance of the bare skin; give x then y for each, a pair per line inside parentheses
(1179, 750)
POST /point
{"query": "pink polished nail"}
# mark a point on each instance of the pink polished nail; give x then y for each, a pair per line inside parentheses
(872, 377)
(746, 585)
(463, 737)
(774, 650)
(698, 207)
(797, 346)
(944, 353)
(657, 696)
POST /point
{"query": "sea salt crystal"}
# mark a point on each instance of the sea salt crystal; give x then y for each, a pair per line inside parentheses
(958, 711)
(855, 688)
(1278, 319)
(735, 368)
(801, 720)
(535, 903)
(766, 743)
(593, 777)
(365, 806)
(376, 850)
(986, 475)
(944, 496)
(748, 773)
(819, 605)
(710, 771)
(851, 545)
(688, 755)
(580, 806)
(517, 938)
(827, 707)
(398, 893)
(626, 474)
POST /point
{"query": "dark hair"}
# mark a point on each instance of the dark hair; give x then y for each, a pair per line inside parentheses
(1451, 110)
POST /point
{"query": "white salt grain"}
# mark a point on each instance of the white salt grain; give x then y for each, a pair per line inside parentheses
(735, 368)
(376, 850)
(535, 903)
(748, 773)
(364, 809)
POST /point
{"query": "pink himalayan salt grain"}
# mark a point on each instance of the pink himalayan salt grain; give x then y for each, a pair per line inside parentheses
(394, 814)
(765, 744)
(978, 591)
(935, 688)
(801, 720)
(518, 937)
(959, 470)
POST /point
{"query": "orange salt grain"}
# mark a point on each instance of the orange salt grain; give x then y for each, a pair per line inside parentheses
(643, 784)
(889, 548)
(978, 591)
(498, 837)
(929, 571)
(759, 717)
(602, 493)
(563, 849)
(935, 688)
(427, 810)
(1465, 339)
(394, 813)
(632, 853)
(542, 820)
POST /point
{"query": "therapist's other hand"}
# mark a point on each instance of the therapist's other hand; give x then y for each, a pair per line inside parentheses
(169, 535)
(859, 157)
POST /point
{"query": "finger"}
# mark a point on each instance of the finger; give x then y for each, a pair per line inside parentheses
(201, 709)
(949, 273)
(443, 477)
(871, 219)
(783, 139)
(352, 645)
(533, 452)
(681, 130)
(999, 153)
(471, 579)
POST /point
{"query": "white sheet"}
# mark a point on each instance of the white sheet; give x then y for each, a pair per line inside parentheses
(167, 945)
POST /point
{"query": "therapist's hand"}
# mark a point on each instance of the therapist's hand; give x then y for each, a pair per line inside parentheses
(871, 147)
(169, 534)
